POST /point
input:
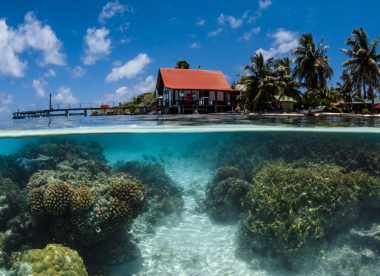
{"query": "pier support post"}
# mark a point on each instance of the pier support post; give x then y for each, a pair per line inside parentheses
(67, 113)
(85, 112)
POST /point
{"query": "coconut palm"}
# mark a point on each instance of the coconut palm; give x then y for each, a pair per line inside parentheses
(346, 87)
(312, 65)
(363, 63)
(259, 70)
(287, 85)
(182, 64)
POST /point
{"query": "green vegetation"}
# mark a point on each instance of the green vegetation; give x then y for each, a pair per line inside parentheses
(290, 206)
(266, 78)
(142, 104)
(182, 64)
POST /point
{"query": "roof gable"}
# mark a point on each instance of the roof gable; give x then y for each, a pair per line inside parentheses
(194, 79)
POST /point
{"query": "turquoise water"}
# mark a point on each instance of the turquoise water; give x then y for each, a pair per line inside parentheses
(182, 197)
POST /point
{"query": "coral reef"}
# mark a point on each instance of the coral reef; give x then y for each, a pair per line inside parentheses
(164, 196)
(54, 259)
(11, 201)
(359, 152)
(81, 215)
(291, 206)
(225, 194)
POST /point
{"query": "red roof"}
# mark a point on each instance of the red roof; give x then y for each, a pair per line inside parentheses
(194, 79)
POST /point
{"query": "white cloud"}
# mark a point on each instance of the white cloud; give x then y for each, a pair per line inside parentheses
(39, 87)
(216, 32)
(284, 41)
(125, 94)
(31, 35)
(195, 45)
(130, 69)
(78, 72)
(264, 4)
(10, 64)
(64, 96)
(147, 85)
(234, 22)
(5, 100)
(42, 38)
(98, 46)
(248, 35)
(201, 22)
(111, 9)
(49, 73)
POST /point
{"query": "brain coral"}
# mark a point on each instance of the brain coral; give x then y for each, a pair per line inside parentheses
(54, 259)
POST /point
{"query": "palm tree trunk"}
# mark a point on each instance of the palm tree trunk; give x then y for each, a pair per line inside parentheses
(373, 98)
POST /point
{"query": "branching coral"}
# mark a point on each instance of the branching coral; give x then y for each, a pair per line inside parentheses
(11, 200)
(85, 215)
(58, 197)
(164, 195)
(291, 206)
(225, 194)
(82, 199)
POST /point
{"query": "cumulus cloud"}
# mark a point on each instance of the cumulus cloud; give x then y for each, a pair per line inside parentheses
(216, 32)
(145, 86)
(248, 35)
(125, 94)
(42, 38)
(78, 72)
(111, 9)
(64, 96)
(39, 87)
(264, 4)
(5, 100)
(234, 22)
(49, 73)
(98, 45)
(201, 22)
(130, 69)
(30, 35)
(284, 41)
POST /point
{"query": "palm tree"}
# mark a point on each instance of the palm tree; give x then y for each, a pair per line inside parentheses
(182, 64)
(287, 85)
(363, 63)
(312, 65)
(346, 87)
(259, 70)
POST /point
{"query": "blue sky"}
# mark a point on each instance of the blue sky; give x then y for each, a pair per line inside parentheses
(94, 51)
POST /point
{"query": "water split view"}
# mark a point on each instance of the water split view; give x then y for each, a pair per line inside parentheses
(259, 202)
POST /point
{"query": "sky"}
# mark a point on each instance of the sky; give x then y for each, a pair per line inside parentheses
(94, 51)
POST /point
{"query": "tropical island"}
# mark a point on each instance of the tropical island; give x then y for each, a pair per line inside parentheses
(297, 82)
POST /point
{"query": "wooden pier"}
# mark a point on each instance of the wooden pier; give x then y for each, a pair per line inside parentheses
(79, 111)
(60, 110)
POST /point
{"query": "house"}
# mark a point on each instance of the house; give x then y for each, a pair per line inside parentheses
(285, 102)
(194, 90)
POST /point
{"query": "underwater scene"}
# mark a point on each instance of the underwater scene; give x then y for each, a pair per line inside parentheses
(191, 203)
